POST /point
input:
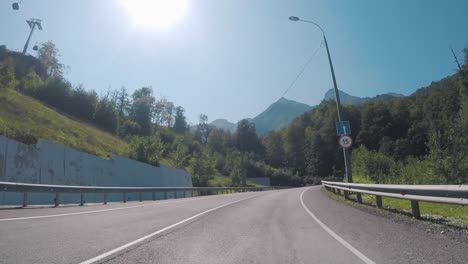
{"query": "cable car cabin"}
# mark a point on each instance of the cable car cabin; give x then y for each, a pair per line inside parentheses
(15, 6)
(35, 48)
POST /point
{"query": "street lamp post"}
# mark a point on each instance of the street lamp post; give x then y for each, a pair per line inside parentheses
(347, 159)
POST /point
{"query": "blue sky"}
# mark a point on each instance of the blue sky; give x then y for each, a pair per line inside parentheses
(233, 58)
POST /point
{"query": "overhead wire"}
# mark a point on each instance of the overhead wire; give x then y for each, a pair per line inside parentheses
(302, 69)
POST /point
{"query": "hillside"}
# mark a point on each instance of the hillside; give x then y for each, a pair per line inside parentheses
(278, 115)
(25, 118)
(224, 124)
(282, 112)
(346, 98)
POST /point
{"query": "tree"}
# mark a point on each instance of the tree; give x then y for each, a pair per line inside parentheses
(274, 152)
(246, 137)
(7, 76)
(123, 102)
(106, 116)
(147, 149)
(48, 55)
(219, 140)
(142, 109)
(202, 170)
(82, 103)
(203, 128)
(180, 124)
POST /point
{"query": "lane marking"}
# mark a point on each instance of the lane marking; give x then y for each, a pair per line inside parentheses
(334, 235)
(108, 253)
(107, 210)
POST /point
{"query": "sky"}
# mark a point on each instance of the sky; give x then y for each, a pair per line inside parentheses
(232, 58)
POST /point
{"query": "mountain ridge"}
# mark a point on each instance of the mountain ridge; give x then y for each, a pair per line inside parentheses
(282, 112)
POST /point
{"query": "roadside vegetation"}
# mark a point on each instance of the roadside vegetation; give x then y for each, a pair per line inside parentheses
(418, 139)
(445, 214)
(36, 101)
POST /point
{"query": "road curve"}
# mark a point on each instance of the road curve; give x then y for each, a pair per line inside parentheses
(285, 226)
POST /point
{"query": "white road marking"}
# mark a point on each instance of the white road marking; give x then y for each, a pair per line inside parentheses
(104, 210)
(335, 236)
(108, 253)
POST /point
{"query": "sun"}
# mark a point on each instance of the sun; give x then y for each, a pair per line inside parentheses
(155, 14)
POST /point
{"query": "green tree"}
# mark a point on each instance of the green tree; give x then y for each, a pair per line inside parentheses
(180, 123)
(48, 55)
(246, 138)
(202, 170)
(106, 116)
(7, 76)
(203, 128)
(123, 102)
(82, 103)
(147, 149)
(142, 109)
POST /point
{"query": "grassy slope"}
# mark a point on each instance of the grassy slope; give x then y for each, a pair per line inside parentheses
(221, 181)
(22, 113)
(455, 214)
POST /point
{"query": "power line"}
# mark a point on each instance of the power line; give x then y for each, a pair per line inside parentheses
(302, 69)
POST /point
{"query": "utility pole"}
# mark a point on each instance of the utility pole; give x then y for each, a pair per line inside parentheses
(33, 23)
(347, 159)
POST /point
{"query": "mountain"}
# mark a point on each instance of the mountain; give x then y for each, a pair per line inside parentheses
(278, 115)
(282, 112)
(224, 124)
(346, 98)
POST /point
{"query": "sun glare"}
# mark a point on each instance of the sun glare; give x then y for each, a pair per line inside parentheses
(155, 14)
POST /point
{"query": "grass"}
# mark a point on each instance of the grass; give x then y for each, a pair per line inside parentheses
(222, 181)
(449, 214)
(23, 114)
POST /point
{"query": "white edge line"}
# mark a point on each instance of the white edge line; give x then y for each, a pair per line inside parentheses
(160, 202)
(108, 253)
(334, 235)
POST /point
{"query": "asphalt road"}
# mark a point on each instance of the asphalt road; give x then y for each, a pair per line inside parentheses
(285, 226)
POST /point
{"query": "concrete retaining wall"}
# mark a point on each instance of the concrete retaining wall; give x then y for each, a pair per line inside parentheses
(50, 163)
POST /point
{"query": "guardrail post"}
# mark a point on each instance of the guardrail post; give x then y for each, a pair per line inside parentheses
(415, 209)
(338, 191)
(378, 201)
(345, 193)
(165, 195)
(185, 194)
(25, 199)
(175, 194)
(140, 197)
(105, 198)
(359, 197)
(82, 199)
(154, 196)
(124, 197)
(56, 199)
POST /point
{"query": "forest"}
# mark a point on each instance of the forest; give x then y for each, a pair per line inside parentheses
(419, 139)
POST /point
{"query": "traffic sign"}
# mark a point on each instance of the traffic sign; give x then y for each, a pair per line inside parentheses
(345, 141)
(343, 128)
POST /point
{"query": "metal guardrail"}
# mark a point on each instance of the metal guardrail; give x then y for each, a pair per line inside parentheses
(27, 188)
(447, 194)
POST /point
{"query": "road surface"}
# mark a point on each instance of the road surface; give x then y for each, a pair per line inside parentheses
(284, 226)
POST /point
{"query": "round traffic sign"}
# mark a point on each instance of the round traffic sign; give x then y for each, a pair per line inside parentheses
(345, 141)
